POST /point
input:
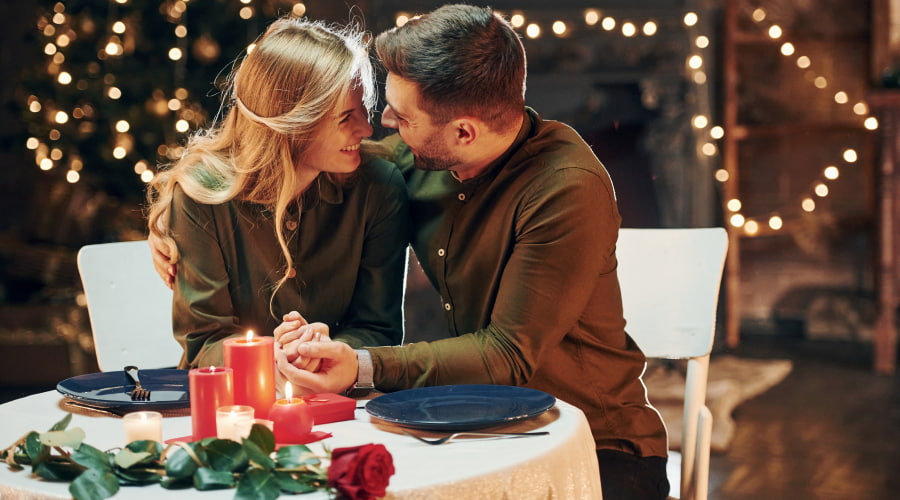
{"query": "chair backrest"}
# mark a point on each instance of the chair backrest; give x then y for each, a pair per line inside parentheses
(130, 307)
(670, 287)
(670, 282)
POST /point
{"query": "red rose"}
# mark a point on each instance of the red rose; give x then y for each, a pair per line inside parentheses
(361, 472)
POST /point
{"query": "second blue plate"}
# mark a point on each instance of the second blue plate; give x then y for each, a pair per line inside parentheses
(460, 407)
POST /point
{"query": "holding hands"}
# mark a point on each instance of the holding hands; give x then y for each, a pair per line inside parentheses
(307, 357)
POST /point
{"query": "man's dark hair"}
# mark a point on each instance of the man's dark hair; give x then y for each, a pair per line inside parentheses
(466, 60)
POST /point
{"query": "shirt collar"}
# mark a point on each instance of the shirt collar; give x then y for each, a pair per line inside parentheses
(495, 166)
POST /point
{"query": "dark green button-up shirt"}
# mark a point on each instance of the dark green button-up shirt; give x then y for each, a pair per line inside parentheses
(349, 246)
(523, 256)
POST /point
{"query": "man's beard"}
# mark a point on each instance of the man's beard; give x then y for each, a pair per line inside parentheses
(434, 156)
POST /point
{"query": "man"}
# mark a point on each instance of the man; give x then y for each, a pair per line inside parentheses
(515, 225)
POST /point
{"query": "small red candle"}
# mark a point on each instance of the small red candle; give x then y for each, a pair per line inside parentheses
(292, 418)
(210, 388)
(253, 361)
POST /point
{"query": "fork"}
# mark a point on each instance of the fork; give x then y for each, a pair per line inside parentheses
(446, 439)
(138, 393)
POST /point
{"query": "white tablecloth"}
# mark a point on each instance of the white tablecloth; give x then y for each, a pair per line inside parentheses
(561, 465)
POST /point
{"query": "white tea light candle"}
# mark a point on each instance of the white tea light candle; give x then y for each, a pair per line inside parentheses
(143, 425)
(234, 422)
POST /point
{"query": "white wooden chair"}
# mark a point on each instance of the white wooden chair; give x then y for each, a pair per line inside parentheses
(670, 287)
(130, 307)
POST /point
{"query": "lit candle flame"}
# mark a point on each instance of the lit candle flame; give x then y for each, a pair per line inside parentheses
(249, 335)
(212, 368)
(288, 392)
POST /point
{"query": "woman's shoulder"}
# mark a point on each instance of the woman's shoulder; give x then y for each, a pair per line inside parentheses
(378, 170)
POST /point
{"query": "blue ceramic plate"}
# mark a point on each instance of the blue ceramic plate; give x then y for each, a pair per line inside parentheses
(168, 389)
(460, 407)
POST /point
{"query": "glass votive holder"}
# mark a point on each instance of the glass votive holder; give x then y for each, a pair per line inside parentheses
(234, 422)
(143, 425)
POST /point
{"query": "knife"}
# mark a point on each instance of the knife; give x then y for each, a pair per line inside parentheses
(109, 411)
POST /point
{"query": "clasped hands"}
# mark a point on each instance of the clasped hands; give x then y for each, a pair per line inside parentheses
(309, 359)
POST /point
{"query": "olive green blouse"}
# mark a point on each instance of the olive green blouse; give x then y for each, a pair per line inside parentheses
(349, 245)
(523, 256)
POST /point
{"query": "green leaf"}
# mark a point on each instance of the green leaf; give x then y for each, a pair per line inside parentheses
(177, 483)
(125, 458)
(36, 450)
(262, 437)
(297, 482)
(137, 476)
(71, 438)
(257, 484)
(58, 469)
(179, 464)
(209, 479)
(226, 455)
(257, 456)
(153, 447)
(295, 456)
(92, 458)
(62, 424)
(94, 484)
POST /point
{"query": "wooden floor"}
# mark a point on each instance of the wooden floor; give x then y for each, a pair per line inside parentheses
(830, 430)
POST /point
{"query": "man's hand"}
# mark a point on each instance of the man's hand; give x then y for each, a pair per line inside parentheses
(162, 261)
(337, 373)
(293, 332)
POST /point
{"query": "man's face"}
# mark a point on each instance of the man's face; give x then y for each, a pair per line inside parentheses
(429, 143)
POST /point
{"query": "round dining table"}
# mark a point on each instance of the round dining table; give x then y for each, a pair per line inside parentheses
(559, 465)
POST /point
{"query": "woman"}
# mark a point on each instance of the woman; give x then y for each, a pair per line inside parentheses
(270, 211)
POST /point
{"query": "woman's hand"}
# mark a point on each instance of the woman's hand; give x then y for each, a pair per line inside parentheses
(293, 332)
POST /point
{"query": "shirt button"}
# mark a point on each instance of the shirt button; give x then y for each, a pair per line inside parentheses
(292, 273)
(462, 196)
(447, 307)
(291, 225)
(441, 252)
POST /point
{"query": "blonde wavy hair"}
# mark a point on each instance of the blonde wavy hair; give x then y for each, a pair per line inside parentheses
(274, 101)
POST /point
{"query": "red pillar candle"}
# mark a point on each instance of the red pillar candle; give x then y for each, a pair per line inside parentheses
(253, 361)
(210, 388)
(292, 418)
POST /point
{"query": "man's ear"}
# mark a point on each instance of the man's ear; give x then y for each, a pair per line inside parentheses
(466, 131)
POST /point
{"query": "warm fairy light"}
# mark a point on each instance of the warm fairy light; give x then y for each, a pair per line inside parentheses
(175, 53)
(402, 19)
(113, 48)
(174, 104)
(54, 135)
(119, 152)
(140, 166)
(850, 155)
(299, 9)
(803, 62)
(808, 204)
(118, 27)
(246, 12)
(182, 126)
(690, 19)
(517, 20)
(34, 106)
(775, 32)
(32, 143)
(608, 23)
(821, 190)
(50, 49)
(699, 77)
(871, 123)
(787, 48)
(181, 31)
(717, 132)
(72, 176)
(840, 97)
(56, 154)
(860, 108)
(76, 164)
(695, 62)
(820, 82)
(114, 93)
(63, 40)
(702, 42)
(629, 29)
(181, 93)
(559, 28)
(722, 175)
(122, 126)
(59, 18)
(147, 175)
(46, 164)
(64, 78)
(533, 30)
(831, 172)
(775, 222)
(734, 205)
(61, 117)
(700, 121)
(591, 17)
(708, 149)
(751, 227)
(650, 28)
(736, 220)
